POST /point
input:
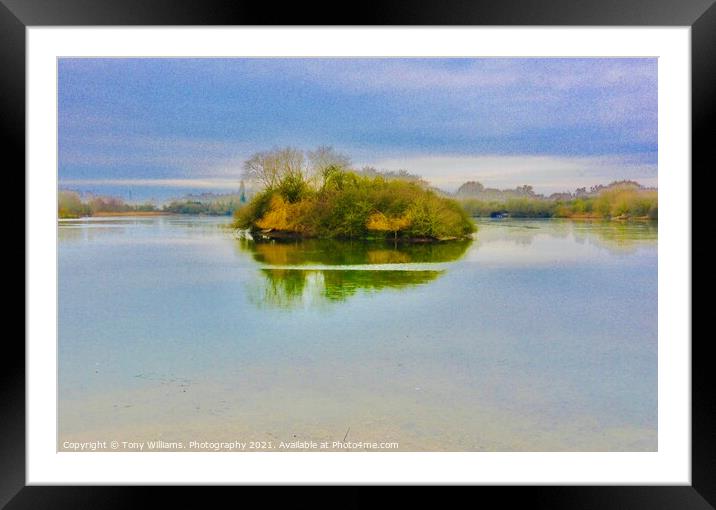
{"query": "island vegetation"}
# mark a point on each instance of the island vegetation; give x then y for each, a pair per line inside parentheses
(318, 195)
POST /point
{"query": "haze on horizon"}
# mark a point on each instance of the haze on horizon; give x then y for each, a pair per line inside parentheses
(170, 126)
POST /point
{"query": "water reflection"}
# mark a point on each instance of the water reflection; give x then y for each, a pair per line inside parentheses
(539, 335)
(344, 268)
(617, 237)
(293, 288)
(614, 236)
(79, 231)
(313, 272)
(349, 253)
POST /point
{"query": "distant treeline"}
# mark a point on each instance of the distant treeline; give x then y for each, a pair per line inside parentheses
(208, 203)
(71, 205)
(620, 199)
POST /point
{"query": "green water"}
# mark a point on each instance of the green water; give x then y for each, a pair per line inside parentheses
(537, 335)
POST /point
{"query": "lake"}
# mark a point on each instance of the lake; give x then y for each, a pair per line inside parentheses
(538, 335)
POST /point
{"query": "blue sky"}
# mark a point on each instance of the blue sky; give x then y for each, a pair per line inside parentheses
(163, 127)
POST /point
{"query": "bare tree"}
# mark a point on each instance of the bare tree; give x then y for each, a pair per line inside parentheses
(262, 167)
(270, 167)
(326, 157)
(291, 162)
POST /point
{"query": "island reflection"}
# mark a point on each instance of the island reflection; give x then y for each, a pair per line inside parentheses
(344, 269)
(294, 288)
(332, 252)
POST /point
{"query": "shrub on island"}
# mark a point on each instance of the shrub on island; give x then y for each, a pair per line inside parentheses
(343, 204)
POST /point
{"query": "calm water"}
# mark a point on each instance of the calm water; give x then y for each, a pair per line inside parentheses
(537, 335)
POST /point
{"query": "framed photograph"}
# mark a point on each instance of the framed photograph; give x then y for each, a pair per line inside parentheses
(410, 248)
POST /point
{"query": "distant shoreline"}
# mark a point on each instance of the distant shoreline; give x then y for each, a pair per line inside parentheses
(572, 218)
(120, 213)
(294, 236)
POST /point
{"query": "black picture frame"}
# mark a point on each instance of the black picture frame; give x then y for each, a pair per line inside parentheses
(700, 15)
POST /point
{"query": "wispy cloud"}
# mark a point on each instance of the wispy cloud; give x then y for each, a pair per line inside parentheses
(209, 184)
(401, 74)
(190, 156)
(556, 123)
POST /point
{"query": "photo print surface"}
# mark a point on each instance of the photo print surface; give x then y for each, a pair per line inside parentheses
(357, 254)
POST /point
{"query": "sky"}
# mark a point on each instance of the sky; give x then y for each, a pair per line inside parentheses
(156, 128)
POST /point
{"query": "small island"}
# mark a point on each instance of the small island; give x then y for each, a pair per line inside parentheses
(326, 199)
